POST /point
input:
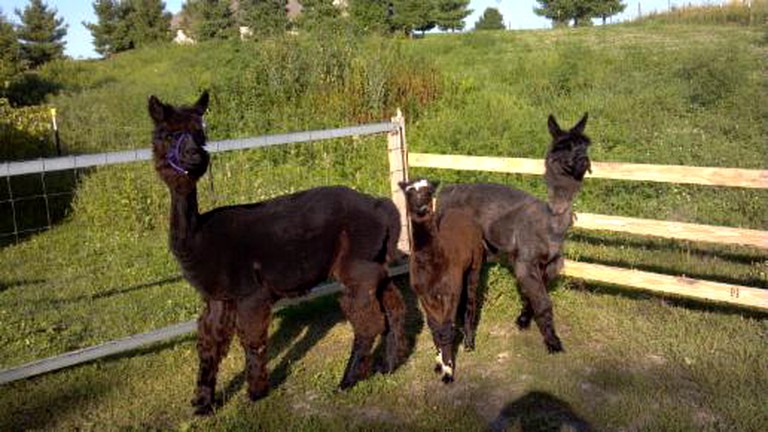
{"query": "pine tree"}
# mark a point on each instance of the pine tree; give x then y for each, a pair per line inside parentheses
(263, 17)
(318, 13)
(210, 19)
(149, 23)
(371, 16)
(10, 56)
(580, 12)
(559, 11)
(490, 20)
(608, 8)
(41, 34)
(110, 32)
(410, 15)
(451, 14)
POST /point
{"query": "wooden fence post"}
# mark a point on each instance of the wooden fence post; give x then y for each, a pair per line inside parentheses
(398, 171)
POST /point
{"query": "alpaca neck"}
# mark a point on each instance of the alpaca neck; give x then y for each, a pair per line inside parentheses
(560, 203)
(424, 233)
(184, 215)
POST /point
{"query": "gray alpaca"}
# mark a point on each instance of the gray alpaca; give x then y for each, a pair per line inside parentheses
(527, 231)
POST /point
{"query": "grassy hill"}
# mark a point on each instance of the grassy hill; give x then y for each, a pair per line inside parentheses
(655, 94)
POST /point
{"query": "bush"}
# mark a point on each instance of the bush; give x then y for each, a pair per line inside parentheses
(25, 132)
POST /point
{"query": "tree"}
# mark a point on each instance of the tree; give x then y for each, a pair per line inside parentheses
(124, 25)
(110, 32)
(41, 34)
(148, 22)
(10, 56)
(559, 11)
(581, 12)
(210, 19)
(371, 16)
(451, 14)
(609, 8)
(410, 15)
(263, 17)
(490, 20)
(318, 13)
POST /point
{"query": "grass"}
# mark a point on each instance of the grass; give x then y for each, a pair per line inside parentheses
(634, 361)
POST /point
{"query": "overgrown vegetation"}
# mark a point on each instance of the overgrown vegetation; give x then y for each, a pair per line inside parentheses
(633, 361)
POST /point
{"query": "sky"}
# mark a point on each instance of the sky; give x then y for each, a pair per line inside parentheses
(518, 14)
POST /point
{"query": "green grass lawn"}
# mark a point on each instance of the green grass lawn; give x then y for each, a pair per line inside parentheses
(633, 361)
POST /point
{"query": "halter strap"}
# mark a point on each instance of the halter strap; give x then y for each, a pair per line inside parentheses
(173, 156)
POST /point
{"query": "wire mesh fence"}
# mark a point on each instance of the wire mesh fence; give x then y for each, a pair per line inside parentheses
(37, 193)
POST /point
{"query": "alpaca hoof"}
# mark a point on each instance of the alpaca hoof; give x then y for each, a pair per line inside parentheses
(447, 379)
(204, 410)
(347, 383)
(385, 367)
(203, 402)
(523, 322)
(469, 345)
(258, 394)
(554, 346)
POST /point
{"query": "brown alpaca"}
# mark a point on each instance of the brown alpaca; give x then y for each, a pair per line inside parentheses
(527, 231)
(244, 258)
(446, 258)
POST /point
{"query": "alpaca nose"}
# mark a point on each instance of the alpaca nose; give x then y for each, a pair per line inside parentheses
(423, 209)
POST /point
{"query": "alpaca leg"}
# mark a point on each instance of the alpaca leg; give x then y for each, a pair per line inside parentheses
(443, 337)
(523, 320)
(215, 328)
(253, 316)
(470, 313)
(530, 279)
(364, 312)
(394, 310)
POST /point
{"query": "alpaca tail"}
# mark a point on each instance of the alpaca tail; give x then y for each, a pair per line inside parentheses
(390, 217)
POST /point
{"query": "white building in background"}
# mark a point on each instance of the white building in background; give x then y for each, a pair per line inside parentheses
(181, 38)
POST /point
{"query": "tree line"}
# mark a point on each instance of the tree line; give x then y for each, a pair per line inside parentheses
(123, 25)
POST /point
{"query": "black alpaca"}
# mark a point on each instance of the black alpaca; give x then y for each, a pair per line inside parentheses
(445, 262)
(528, 231)
(243, 258)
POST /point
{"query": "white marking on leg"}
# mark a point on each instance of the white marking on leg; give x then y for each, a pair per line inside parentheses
(447, 370)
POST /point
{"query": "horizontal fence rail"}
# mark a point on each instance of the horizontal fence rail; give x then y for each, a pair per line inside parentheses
(673, 230)
(682, 286)
(9, 169)
(677, 285)
(709, 176)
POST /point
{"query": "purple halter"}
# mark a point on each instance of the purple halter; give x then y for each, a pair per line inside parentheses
(173, 156)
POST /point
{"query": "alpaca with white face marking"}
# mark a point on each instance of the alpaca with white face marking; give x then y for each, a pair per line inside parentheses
(446, 257)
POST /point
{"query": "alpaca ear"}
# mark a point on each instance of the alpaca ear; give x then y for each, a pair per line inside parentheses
(156, 109)
(202, 103)
(579, 128)
(403, 185)
(554, 128)
(434, 185)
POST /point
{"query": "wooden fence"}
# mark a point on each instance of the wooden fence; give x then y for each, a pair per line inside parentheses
(681, 286)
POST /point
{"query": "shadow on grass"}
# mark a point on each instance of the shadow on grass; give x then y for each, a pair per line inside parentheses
(40, 407)
(302, 326)
(539, 411)
(116, 291)
(744, 254)
(6, 285)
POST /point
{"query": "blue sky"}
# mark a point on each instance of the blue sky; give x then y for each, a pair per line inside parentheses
(518, 14)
